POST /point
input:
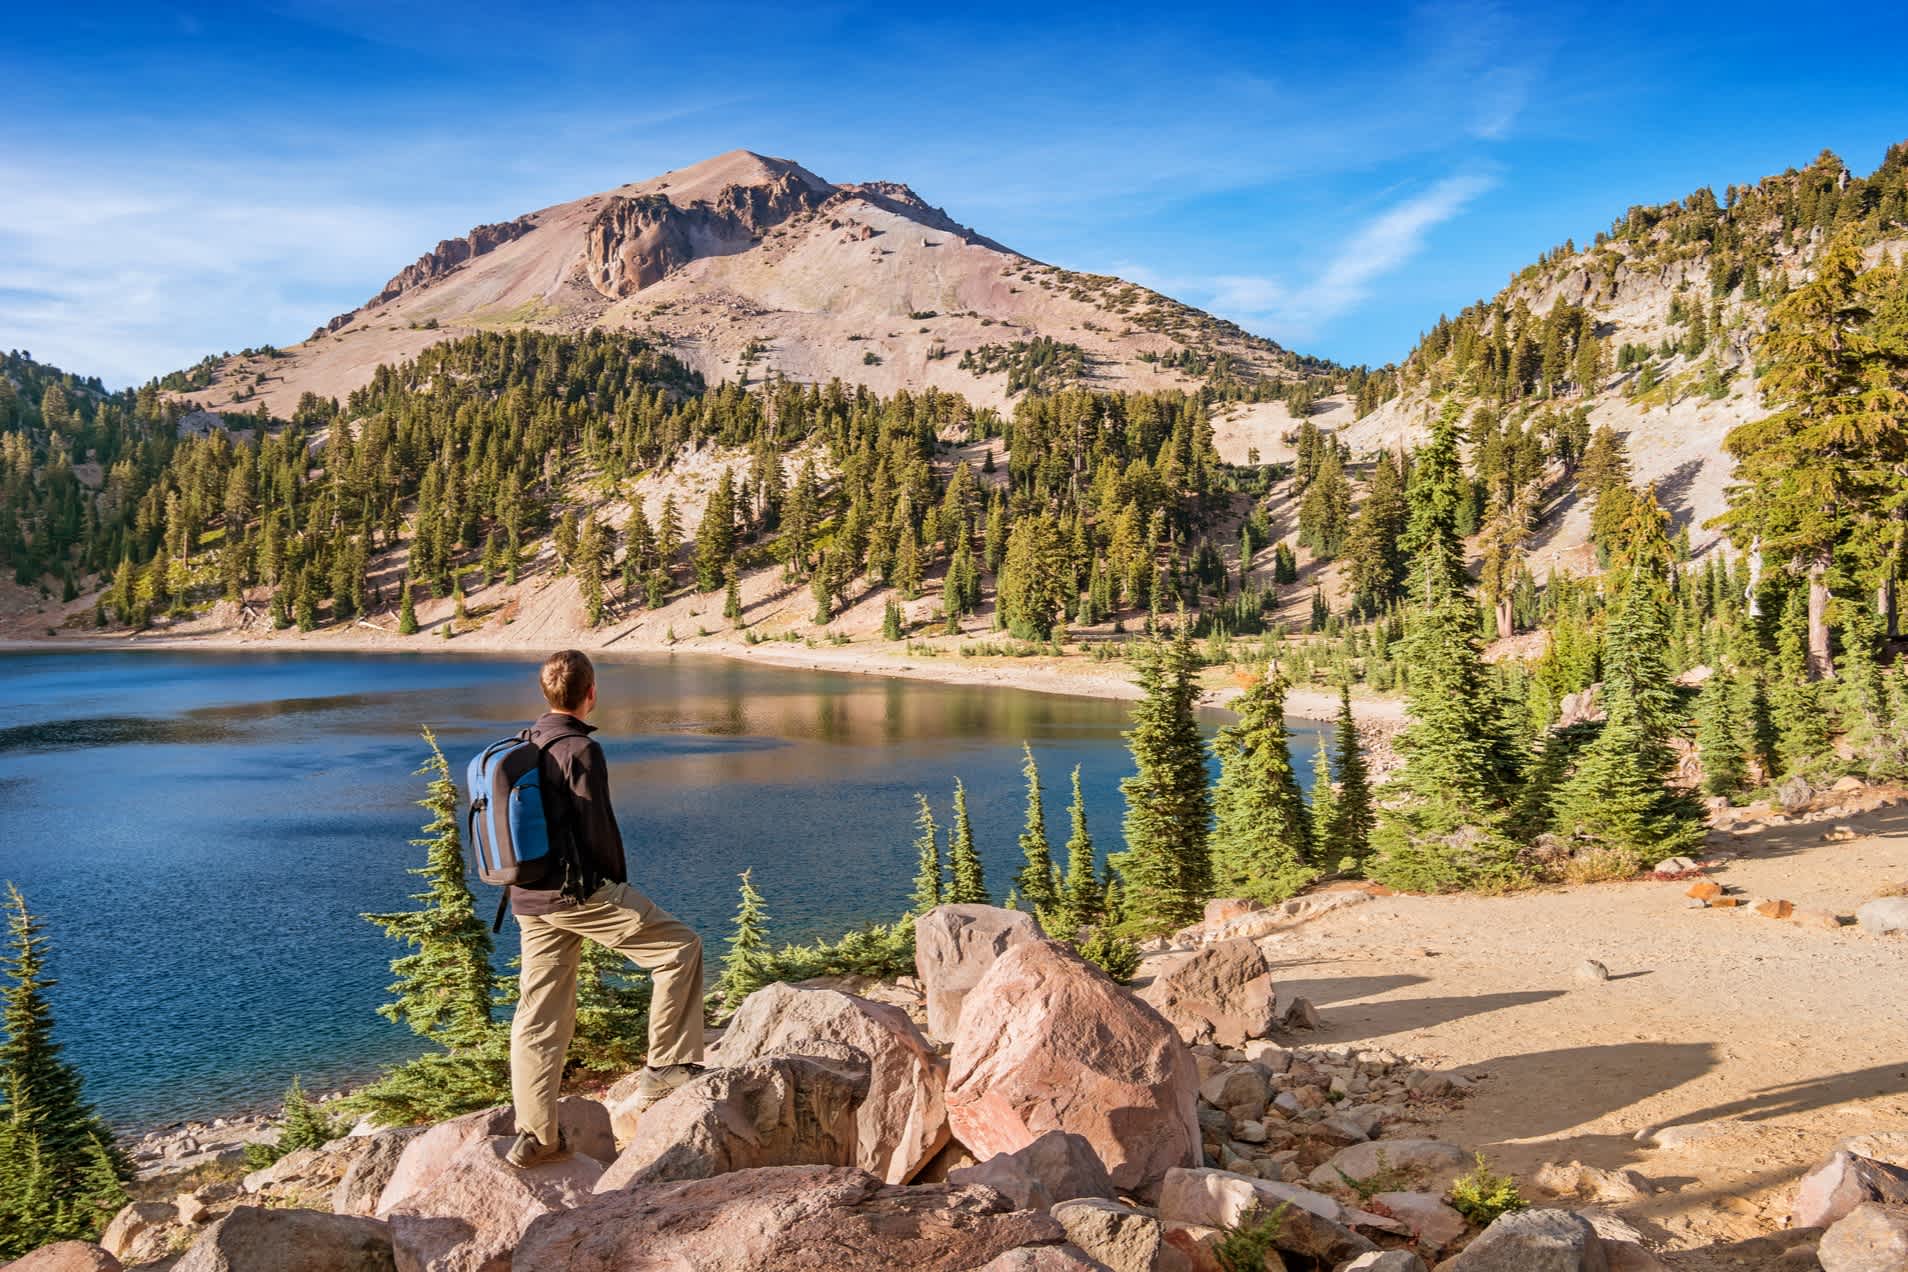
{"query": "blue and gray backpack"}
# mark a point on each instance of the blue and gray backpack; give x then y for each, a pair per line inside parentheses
(510, 819)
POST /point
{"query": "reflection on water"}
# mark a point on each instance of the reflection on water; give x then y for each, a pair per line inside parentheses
(202, 868)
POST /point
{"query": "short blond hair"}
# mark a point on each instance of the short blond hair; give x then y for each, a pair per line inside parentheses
(567, 678)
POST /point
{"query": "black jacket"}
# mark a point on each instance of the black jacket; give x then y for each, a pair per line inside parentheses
(575, 772)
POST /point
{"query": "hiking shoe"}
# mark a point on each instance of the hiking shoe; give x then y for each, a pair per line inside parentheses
(530, 1151)
(652, 1084)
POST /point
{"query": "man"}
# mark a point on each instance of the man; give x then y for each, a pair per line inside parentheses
(592, 902)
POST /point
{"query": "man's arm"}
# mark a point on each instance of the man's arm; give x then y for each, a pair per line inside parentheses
(596, 830)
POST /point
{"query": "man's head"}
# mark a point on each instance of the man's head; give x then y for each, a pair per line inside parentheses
(569, 683)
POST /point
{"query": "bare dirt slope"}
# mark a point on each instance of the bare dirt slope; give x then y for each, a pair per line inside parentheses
(1762, 1042)
(751, 266)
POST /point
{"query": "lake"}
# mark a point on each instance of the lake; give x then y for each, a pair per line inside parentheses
(201, 831)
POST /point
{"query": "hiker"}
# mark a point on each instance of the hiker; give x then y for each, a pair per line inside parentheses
(593, 902)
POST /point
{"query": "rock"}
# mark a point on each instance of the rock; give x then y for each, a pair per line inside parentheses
(136, 1220)
(1192, 1247)
(1533, 1241)
(1122, 1238)
(66, 1256)
(625, 1103)
(1818, 920)
(1045, 1258)
(782, 1111)
(1224, 909)
(471, 1215)
(1300, 1014)
(1840, 1184)
(1236, 1085)
(902, 1122)
(1287, 914)
(1054, 1168)
(1889, 1147)
(192, 1208)
(584, 1123)
(1047, 1042)
(1870, 1238)
(371, 1170)
(1592, 972)
(1685, 1133)
(1795, 795)
(1432, 1164)
(1725, 903)
(1314, 1224)
(1385, 1261)
(1772, 908)
(1673, 867)
(1623, 1247)
(1704, 890)
(785, 1219)
(1432, 1223)
(1848, 783)
(1883, 915)
(1839, 835)
(256, 1239)
(954, 945)
(1220, 993)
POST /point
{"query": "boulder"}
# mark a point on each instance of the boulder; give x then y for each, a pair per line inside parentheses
(584, 1123)
(471, 1215)
(1533, 1241)
(1313, 1225)
(903, 1120)
(783, 1111)
(1236, 1086)
(1431, 1164)
(1883, 915)
(786, 1219)
(1889, 1147)
(1220, 993)
(954, 945)
(1431, 1223)
(1795, 794)
(370, 1172)
(1047, 1042)
(1840, 1184)
(1385, 1261)
(256, 1239)
(1056, 1167)
(1191, 1247)
(1869, 1238)
(137, 1232)
(1623, 1247)
(1046, 1258)
(1122, 1238)
(66, 1256)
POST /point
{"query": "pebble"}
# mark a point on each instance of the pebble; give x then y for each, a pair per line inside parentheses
(1592, 972)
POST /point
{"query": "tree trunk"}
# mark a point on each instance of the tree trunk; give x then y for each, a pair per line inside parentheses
(1755, 578)
(1885, 607)
(1821, 666)
(1506, 623)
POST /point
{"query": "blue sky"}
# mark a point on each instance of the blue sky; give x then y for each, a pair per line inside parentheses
(181, 179)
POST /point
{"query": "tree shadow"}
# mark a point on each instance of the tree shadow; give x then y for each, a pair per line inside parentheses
(1672, 491)
(1553, 1091)
(1790, 841)
(1788, 1099)
(1358, 1012)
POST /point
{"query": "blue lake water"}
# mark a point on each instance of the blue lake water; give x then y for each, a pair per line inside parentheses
(201, 831)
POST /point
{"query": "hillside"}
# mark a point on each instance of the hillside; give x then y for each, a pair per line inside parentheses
(748, 268)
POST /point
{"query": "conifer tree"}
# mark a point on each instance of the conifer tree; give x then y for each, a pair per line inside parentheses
(445, 985)
(1166, 868)
(407, 613)
(744, 966)
(1035, 882)
(1375, 563)
(715, 536)
(1348, 839)
(732, 602)
(927, 856)
(1796, 705)
(1082, 894)
(1262, 835)
(1719, 736)
(1324, 802)
(968, 883)
(891, 620)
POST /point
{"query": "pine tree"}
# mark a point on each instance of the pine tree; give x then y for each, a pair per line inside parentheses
(1166, 868)
(407, 613)
(445, 985)
(732, 603)
(1324, 802)
(1262, 835)
(715, 536)
(1719, 736)
(1796, 705)
(1082, 894)
(891, 620)
(1348, 838)
(927, 855)
(743, 967)
(1375, 563)
(1035, 882)
(968, 884)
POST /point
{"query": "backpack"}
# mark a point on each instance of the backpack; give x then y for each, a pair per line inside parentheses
(510, 821)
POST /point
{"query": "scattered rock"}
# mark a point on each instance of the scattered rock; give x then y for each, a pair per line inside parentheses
(1870, 1238)
(1684, 1134)
(1726, 903)
(1772, 908)
(1889, 1147)
(1842, 1183)
(1848, 783)
(1300, 1014)
(954, 945)
(903, 1120)
(1795, 795)
(371, 1170)
(1592, 972)
(1220, 993)
(1704, 890)
(1122, 1238)
(1047, 1042)
(470, 1217)
(1819, 920)
(1883, 915)
(584, 1123)
(786, 1219)
(1056, 1167)
(66, 1256)
(1674, 867)
(1432, 1223)
(1432, 1164)
(1839, 835)
(1534, 1241)
(1623, 1247)
(782, 1111)
(1045, 1258)
(256, 1239)
(137, 1232)
(1225, 909)
(1314, 1224)
(1385, 1261)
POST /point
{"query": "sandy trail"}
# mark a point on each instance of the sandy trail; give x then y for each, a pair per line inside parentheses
(1784, 1039)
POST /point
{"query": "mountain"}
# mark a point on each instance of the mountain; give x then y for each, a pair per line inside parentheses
(748, 267)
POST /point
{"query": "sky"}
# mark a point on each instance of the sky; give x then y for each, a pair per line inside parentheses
(180, 179)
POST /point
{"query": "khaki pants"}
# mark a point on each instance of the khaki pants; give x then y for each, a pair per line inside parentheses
(626, 921)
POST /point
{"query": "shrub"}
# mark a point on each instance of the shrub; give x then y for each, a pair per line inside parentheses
(1249, 1246)
(1482, 1195)
(1111, 953)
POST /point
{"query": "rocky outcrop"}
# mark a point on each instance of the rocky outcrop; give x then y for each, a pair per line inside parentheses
(471, 1216)
(1220, 993)
(782, 1111)
(584, 1124)
(1047, 1042)
(787, 1219)
(1054, 1168)
(636, 241)
(902, 1121)
(954, 945)
(255, 1239)
(448, 255)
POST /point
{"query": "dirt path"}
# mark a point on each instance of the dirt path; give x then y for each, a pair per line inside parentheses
(1774, 1039)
